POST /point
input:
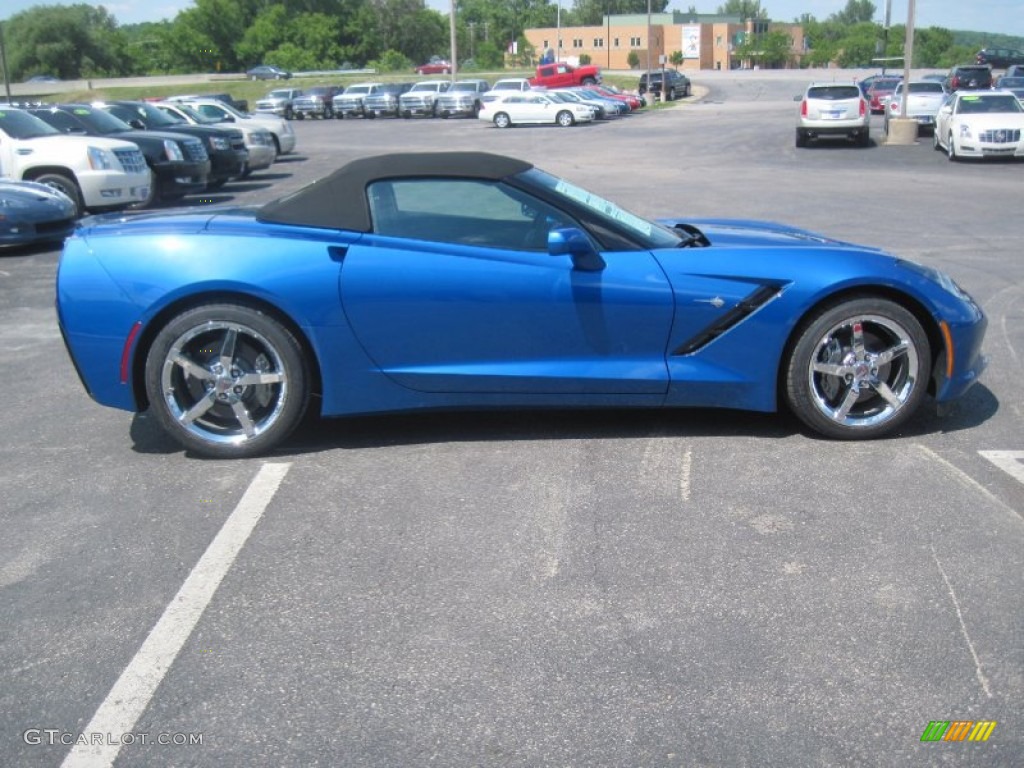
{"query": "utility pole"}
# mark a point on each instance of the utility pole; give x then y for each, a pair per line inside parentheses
(455, 53)
(3, 63)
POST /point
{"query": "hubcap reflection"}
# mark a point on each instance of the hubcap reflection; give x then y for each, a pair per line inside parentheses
(863, 371)
(224, 382)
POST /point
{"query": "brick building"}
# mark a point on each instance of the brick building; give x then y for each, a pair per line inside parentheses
(706, 41)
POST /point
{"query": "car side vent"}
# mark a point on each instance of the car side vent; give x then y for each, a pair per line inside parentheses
(734, 316)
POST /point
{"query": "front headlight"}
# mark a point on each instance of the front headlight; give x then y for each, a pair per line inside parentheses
(965, 131)
(173, 151)
(102, 160)
(219, 142)
(939, 277)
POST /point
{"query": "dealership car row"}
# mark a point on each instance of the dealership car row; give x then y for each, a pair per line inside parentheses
(137, 154)
(969, 111)
(61, 161)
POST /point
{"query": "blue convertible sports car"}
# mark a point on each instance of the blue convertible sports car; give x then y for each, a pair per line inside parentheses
(470, 280)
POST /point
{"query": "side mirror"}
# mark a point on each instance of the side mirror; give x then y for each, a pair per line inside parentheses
(570, 241)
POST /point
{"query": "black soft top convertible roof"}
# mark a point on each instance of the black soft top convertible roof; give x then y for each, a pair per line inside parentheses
(339, 201)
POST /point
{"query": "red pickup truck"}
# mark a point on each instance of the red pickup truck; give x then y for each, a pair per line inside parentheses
(562, 75)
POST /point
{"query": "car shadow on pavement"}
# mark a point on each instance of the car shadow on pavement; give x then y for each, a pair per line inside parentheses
(316, 435)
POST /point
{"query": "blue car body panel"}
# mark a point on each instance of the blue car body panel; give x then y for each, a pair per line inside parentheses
(399, 324)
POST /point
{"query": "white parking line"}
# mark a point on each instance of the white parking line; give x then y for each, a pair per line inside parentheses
(1011, 462)
(135, 687)
(967, 481)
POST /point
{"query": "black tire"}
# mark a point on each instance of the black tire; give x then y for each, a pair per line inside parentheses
(227, 381)
(935, 140)
(801, 139)
(672, 94)
(589, 81)
(951, 149)
(502, 120)
(865, 138)
(289, 113)
(859, 369)
(277, 145)
(65, 184)
(565, 119)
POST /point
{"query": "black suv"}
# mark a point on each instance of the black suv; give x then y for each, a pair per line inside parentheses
(969, 77)
(179, 163)
(999, 58)
(677, 85)
(225, 145)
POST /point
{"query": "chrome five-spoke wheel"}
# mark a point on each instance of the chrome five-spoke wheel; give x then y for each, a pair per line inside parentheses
(226, 380)
(859, 369)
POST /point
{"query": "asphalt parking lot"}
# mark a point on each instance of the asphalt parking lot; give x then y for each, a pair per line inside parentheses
(519, 589)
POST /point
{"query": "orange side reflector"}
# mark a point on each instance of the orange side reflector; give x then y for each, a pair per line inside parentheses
(948, 338)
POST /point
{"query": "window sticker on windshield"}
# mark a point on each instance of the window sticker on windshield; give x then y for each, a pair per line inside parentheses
(601, 205)
(971, 98)
(81, 111)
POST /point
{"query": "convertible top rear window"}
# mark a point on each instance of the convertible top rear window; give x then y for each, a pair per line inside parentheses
(834, 92)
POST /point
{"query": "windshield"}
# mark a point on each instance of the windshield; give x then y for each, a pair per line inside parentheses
(184, 109)
(970, 105)
(279, 95)
(357, 89)
(651, 234)
(930, 87)
(463, 87)
(98, 121)
(22, 125)
(424, 87)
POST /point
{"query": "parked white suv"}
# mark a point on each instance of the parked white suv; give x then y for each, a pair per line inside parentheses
(98, 174)
(831, 110)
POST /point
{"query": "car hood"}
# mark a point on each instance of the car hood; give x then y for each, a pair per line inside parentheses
(29, 192)
(742, 232)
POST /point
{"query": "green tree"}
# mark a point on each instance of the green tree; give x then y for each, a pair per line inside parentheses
(592, 12)
(68, 41)
(745, 9)
(676, 59)
(855, 12)
(633, 59)
(204, 36)
(392, 61)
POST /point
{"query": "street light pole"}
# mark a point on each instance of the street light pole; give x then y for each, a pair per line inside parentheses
(455, 53)
(649, 48)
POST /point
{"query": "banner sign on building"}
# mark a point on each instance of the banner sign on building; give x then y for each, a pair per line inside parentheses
(691, 41)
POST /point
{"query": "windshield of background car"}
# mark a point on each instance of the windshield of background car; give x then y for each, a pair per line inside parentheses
(1011, 82)
(156, 117)
(639, 229)
(463, 87)
(279, 95)
(357, 89)
(22, 125)
(833, 92)
(931, 87)
(99, 121)
(185, 110)
(997, 103)
(419, 87)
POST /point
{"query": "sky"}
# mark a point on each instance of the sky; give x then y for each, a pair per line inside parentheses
(1006, 16)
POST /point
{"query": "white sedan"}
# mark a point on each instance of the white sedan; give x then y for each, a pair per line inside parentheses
(533, 107)
(980, 124)
(281, 129)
